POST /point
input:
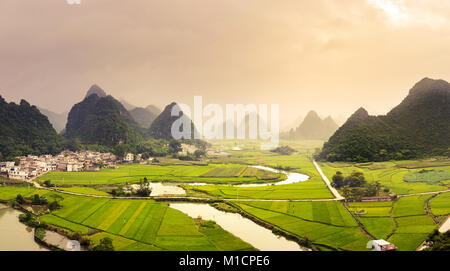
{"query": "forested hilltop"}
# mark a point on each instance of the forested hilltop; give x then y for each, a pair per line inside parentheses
(102, 120)
(418, 127)
(24, 130)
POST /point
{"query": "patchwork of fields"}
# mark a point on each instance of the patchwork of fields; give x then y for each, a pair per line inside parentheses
(404, 222)
(212, 173)
(313, 188)
(138, 224)
(392, 175)
(326, 224)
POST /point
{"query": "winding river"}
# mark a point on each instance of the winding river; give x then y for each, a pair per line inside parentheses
(247, 230)
(162, 189)
(15, 236)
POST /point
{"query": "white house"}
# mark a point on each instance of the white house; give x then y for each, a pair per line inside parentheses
(381, 245)
(18, 175)
(129, 157)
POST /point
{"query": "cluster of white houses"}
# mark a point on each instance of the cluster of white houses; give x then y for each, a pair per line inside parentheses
(31, 166)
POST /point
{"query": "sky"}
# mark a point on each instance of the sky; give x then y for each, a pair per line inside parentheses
(325, 55)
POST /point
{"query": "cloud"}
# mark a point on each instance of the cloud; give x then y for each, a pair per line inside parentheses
(402, 13)
(292, 52)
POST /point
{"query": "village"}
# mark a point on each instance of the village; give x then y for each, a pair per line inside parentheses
(31, 166)
(27, 167)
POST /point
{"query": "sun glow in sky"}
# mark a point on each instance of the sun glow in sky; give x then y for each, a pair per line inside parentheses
(388, 6)
(401, 15)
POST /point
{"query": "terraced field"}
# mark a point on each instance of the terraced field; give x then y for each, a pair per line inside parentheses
(213, 173)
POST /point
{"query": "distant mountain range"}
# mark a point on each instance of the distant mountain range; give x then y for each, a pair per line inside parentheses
(419, 126)
(25, 130)
(143, 116)
(58, 120)
(313, 127)
(127, 105)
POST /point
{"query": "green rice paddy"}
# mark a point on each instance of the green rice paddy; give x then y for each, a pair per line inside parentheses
(212, 173)
(138, 225)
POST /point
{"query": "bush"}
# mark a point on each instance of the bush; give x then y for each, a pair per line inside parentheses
(105, 245)
(208, 224)
(54, 205)
(40, 233)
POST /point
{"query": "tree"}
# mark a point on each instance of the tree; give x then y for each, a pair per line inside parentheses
(144, 189)
(199, 153)
(38, 200)
(356, 179)
(175, 146)
(145, 156)
(120, 150)
(20, 199)
(338, 180)
(105, 245)
(54, 205)
(48, 183)
(74, 144)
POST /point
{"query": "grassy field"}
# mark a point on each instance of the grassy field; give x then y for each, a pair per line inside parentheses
(314, 188)
(138, 224)
(404, 222)
(84, 190)
(440, 205)
(10, 192)
(377, 218)
(392, 174)
(212, 173)
(324, 223)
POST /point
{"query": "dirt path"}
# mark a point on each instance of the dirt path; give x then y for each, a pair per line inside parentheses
(327, 182)
(445, 226)
(424, 193)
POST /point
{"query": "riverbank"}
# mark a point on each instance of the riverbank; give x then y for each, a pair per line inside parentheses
(14, 235)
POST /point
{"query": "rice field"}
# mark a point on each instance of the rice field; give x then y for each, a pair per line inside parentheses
(404, 222)
(84, 190)
(440, 205)
(313, 188)
(212, 173)
(138, 225)
(391, 175)
(324, 223)
(10, 192)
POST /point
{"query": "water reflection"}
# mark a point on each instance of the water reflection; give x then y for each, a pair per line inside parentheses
(15, 236)
(247, 230)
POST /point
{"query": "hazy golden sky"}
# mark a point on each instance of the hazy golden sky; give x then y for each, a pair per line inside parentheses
(329, 55)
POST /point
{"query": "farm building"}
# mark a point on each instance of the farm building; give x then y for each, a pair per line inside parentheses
(381, 245)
